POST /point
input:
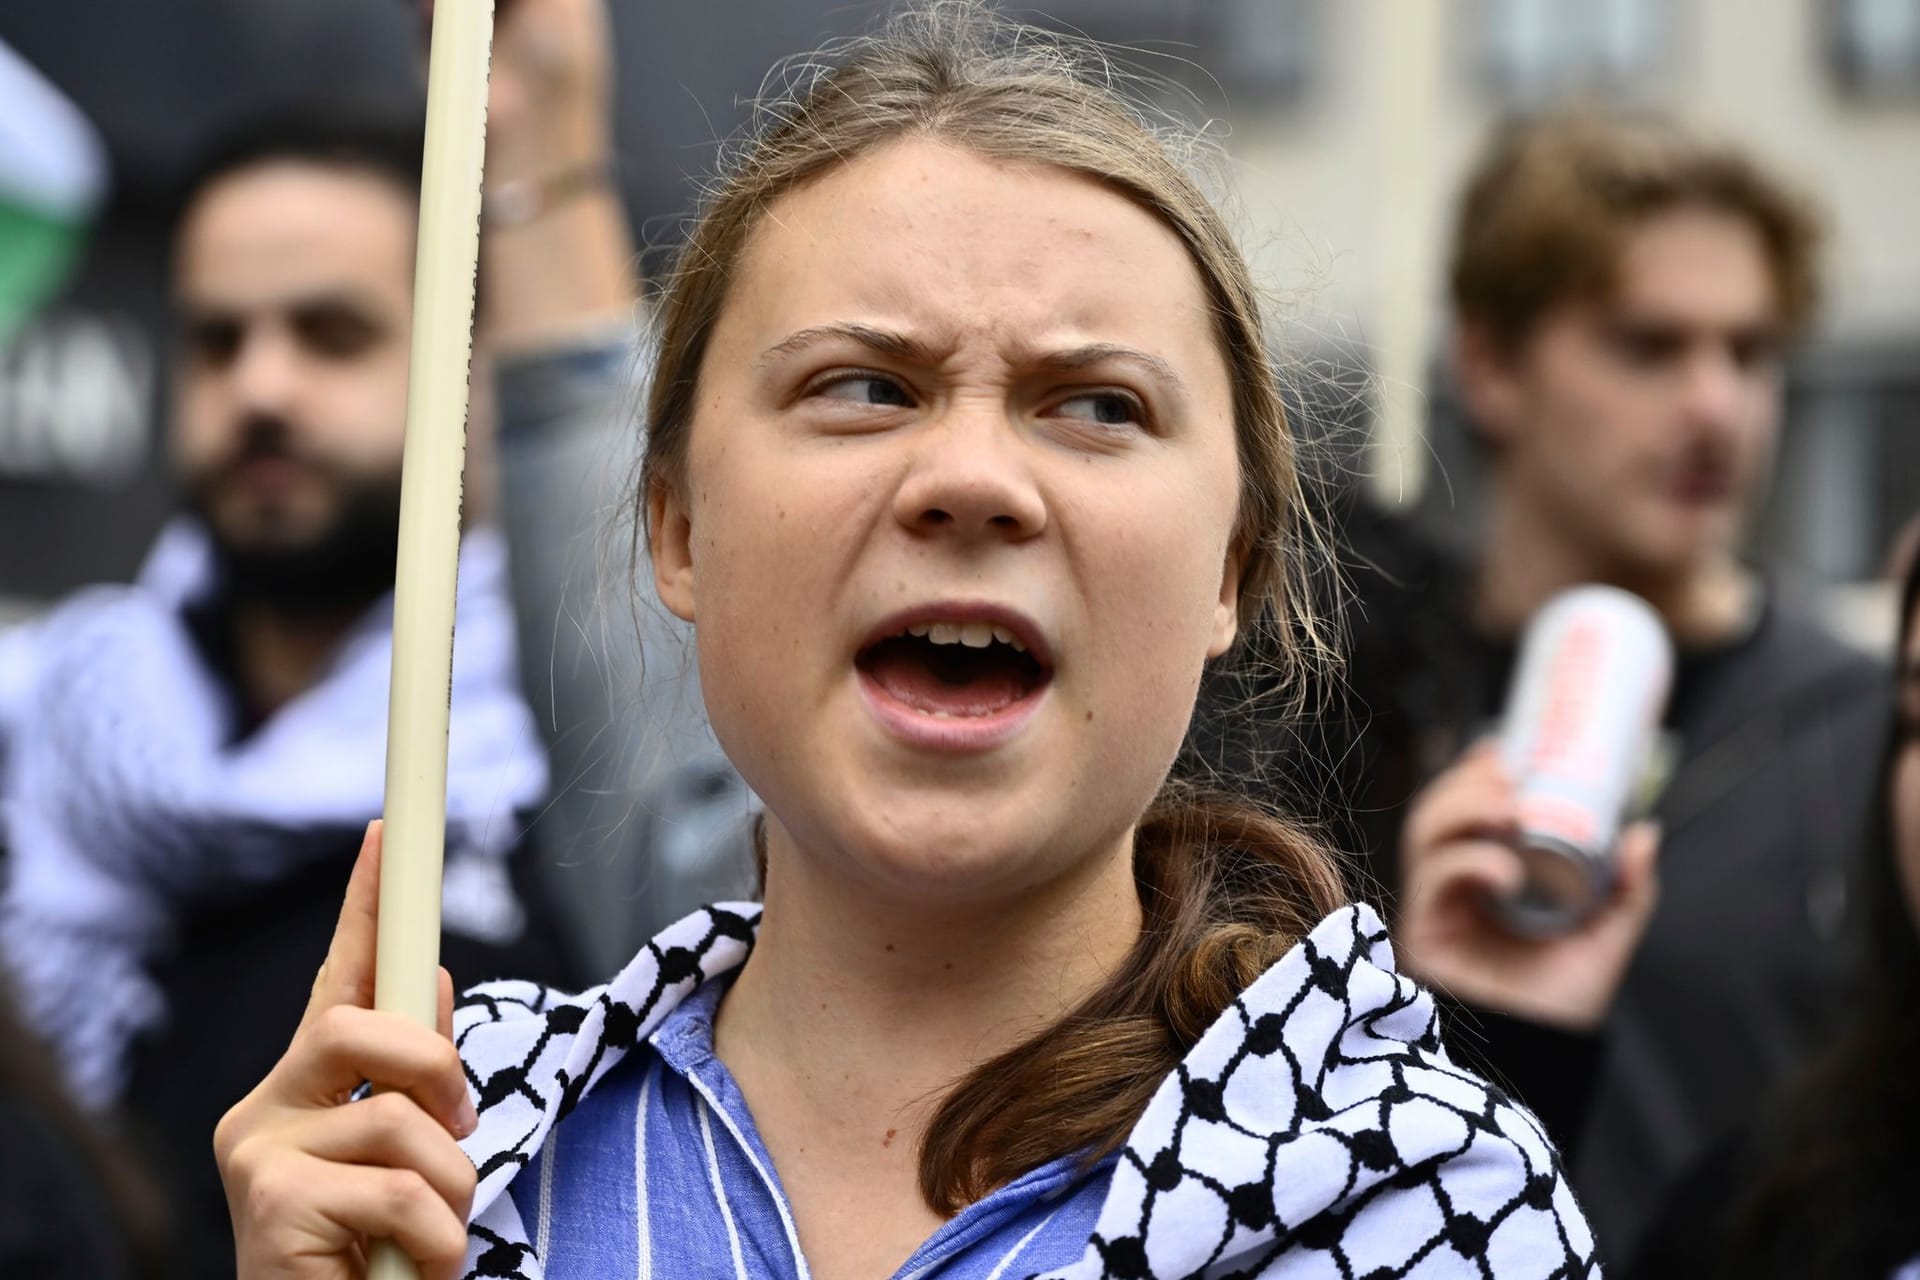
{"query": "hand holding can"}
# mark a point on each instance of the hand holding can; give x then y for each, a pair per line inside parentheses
(1459, 859)
(1582, 714)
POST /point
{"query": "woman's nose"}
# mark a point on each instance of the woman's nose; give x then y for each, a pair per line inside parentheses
(970, 478)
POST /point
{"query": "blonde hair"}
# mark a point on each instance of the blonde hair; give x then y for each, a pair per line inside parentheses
(1226, 888)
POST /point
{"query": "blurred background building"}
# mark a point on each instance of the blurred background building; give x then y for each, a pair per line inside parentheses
(1348, 127)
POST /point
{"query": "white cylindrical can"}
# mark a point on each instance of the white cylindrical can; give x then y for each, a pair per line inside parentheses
(1589, 690)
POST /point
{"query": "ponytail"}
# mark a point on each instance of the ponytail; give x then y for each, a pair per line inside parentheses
(1226, 889)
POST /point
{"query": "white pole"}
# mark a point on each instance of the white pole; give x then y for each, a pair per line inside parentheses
(1408, 99)
(448, 252)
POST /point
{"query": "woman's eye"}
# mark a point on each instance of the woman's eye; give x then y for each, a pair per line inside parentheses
(1103, 408)
(867, 388)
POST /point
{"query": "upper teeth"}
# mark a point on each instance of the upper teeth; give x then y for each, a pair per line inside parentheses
(974, 635)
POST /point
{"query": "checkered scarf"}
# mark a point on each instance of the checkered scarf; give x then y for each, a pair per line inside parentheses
(1318, 1129)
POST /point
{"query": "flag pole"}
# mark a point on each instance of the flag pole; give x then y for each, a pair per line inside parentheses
(447, 257)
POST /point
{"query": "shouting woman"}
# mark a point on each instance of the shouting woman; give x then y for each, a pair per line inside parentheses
(964, 457)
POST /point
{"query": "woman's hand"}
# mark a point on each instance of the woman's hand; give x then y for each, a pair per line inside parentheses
(1456, 854)
(311, 1177)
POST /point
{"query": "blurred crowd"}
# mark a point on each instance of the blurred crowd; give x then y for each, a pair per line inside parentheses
(188, 760)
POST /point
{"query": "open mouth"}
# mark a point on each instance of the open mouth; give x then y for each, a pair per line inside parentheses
(958, 670)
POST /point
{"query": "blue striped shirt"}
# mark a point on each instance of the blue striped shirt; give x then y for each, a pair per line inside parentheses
(1317, 1128)
(661, 1172)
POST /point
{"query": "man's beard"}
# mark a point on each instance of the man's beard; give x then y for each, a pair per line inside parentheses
(342, 567)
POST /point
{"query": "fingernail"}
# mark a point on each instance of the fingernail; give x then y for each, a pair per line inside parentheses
(466, 1120)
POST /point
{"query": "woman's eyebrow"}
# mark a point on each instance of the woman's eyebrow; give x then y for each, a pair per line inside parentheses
(1106, 352)
(901, 347)
(895, 345)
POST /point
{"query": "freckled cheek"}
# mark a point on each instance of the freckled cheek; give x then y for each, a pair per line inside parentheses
(742, 631)
(760, 602)
(1150, 625)
(743, 602)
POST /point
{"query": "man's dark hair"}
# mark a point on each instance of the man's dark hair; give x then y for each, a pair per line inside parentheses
(381, 139)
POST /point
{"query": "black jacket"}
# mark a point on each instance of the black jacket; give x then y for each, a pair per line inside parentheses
(1717, 1224)
(1743, 963)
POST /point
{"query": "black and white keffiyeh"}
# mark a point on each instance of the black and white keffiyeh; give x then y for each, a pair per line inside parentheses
(125, 798)
(1318, 1129)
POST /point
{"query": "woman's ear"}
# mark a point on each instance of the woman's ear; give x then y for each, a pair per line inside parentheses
(1226, 616)
(670, 541)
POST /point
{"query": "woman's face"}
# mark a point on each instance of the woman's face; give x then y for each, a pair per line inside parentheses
(1906, 768)
(955, 531)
